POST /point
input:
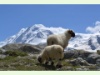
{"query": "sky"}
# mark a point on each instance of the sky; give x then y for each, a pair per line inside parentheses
(80, 18)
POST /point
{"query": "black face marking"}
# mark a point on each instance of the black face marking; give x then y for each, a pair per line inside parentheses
(52, 63)
(71, 32)
(52, 42)
(39, 59)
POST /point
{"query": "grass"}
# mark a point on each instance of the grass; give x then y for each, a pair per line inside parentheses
(15, 53)
(16, 63)
(20, 61)
(28, 63)
(92, 67)
(0, 52)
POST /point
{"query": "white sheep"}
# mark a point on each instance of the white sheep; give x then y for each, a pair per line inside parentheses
(50, 53)
(60, 39)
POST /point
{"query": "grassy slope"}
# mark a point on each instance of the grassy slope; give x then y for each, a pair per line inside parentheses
(26, 63)
(20, 61)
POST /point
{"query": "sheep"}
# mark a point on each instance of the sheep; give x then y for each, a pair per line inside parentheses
(60, 39)
(50, 53)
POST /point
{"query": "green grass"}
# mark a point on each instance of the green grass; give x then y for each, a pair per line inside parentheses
(15, 53)
(27, 63)
(0, 51)
(19, 62)
(92, 67)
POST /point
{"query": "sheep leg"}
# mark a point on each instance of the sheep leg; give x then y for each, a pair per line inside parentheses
(46, 63)
(59, 64)
(52, 63)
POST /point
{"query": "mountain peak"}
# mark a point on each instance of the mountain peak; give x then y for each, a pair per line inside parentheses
(38, 26)
(38, 33)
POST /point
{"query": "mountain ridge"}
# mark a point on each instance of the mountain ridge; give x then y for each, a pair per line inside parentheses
(38, 33)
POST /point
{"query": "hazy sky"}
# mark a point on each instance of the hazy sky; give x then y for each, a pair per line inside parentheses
(75, 17)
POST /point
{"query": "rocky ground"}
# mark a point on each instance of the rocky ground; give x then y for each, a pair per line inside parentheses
(23, 57)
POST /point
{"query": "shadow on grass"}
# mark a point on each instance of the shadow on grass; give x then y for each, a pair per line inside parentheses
(47, 67)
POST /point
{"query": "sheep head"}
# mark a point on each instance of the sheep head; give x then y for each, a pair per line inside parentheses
(71, 32)
(39, 59)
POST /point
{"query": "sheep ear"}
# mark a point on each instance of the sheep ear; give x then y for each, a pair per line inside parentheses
(70, 31)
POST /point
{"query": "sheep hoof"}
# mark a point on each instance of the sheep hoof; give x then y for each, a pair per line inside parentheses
(58, 66)
(52, 63)
(46, 63)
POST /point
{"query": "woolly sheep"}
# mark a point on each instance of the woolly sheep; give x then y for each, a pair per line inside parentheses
(49, 53)
(60, 39)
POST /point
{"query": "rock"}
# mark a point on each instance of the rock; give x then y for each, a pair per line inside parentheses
(98, 69)
(23, 47)
(93, 58)
(82, 69)
(68, 68)
(98, 62)
(2, 56)
(98, 52)
(76, 53)
(30, 49)
(12, 46)
(79, 62)
(41, 45)
(70, 54)
(2, 50)
(93, 67)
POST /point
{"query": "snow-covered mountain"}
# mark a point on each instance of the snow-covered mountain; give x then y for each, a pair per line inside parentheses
(33, 35)
(86, 41)
(38, 33)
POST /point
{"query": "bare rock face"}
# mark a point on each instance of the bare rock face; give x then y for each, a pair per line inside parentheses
(92, 58)
(30, 49)
(13, 46)
(2, 56)
(23, 47)
(98, 62)
(76, 53)
(79, 61)
(82, 68)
